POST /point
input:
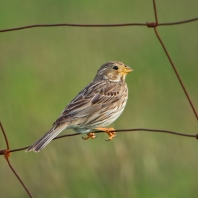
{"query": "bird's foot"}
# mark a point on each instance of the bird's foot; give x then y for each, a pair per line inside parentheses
(89, 135)
(109, 131)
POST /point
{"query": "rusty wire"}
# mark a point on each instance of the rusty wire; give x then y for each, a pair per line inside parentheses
(6, 152)
(117, 131)
(95, 25)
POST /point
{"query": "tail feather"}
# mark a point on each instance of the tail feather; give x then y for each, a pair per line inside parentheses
(47, 138)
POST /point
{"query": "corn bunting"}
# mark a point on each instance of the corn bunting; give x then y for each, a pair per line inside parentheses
(99, 104)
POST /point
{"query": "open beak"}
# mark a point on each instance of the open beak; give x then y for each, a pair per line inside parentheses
(127, 69)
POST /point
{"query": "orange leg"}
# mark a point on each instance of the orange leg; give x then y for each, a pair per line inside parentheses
(109, 131)
(89, 135)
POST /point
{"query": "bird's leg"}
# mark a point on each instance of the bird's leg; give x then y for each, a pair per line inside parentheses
(89, 135)
(109, 131)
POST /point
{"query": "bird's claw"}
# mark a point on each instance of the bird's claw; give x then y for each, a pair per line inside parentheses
(90, 135)
(111, 135)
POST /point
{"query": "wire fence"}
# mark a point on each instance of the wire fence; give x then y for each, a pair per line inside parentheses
(7, 152)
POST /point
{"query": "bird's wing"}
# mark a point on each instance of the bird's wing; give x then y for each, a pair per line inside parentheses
(95, 97)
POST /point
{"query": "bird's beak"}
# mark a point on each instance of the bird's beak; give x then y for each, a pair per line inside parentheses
(127, 69)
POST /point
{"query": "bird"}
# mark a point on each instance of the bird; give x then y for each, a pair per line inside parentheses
(95, 107)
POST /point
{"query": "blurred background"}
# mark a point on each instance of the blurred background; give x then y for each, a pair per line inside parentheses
(42, 69)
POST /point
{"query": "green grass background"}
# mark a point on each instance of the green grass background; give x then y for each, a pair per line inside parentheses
(42, 69)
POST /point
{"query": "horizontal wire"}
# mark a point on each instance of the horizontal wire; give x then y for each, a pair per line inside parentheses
(118, 131)
(96, 25)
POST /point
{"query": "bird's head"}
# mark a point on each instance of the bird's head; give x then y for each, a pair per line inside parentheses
(113, 71)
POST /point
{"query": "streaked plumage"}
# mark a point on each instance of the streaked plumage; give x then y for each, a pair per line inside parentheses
(99, 104)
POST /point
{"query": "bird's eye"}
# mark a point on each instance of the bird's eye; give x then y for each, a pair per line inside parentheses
(115, 67)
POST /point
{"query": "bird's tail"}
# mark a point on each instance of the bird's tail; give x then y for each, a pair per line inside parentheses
(47, 138)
